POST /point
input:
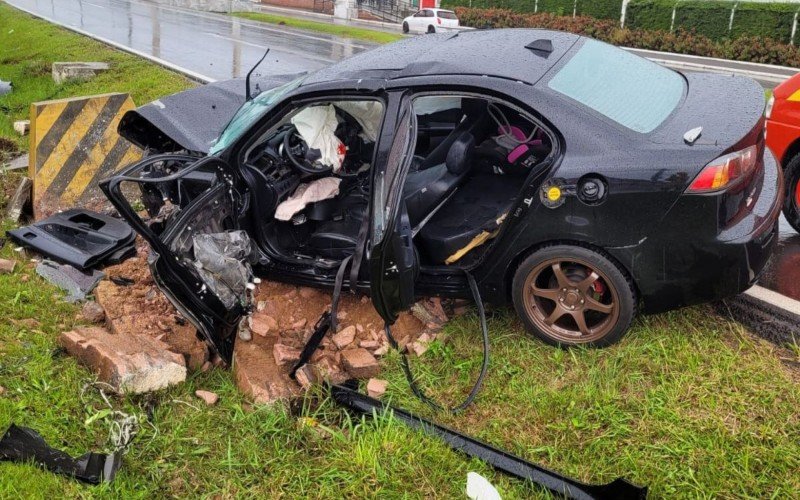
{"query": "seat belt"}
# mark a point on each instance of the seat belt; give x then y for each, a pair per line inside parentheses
(417, 390)
(328, 320)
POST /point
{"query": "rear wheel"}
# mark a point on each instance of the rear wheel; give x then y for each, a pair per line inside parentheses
(791, 203)
(569, 295)
(405, 27)
(431, 29)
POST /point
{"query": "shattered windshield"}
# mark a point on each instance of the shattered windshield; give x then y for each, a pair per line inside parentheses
(250, 112)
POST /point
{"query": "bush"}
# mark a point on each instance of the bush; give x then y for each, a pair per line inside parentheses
(712, 18)
(743, 48)
(601, 9)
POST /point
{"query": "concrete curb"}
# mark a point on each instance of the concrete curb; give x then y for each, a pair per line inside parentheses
(769, 314)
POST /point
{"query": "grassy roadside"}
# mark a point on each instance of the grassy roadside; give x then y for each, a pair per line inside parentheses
(688, 403)
(320, 27)
(28, 48)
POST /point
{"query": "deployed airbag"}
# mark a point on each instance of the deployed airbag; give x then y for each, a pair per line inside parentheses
(316, 190)
(317, 126)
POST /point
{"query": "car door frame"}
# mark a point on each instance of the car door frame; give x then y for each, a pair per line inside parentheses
(215, 323)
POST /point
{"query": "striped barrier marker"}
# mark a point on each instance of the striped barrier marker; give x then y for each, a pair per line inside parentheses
(73, 144)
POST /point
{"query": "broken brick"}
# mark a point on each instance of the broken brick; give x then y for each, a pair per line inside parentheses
(418, 348)
(376, 387)
(328, 370)
(93, 312)
(360, 363)
(382, 350)
(261, 324)
(131, 364)
(305, 376)
(7, 266)
(345, 337)
(208, 397)
(369, 344)
(2, 390)
(284, 354)
(297, 325)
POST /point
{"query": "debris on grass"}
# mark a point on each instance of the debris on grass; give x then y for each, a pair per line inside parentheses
(208, 397)
(7, 266)
(78, 284)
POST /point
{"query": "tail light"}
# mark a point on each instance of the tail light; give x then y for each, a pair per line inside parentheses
(725, 171)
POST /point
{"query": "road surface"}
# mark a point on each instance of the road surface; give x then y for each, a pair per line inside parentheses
(218, 47)
(215, 46)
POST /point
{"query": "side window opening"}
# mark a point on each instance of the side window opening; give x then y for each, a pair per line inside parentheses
(313, 170)
(472, 158)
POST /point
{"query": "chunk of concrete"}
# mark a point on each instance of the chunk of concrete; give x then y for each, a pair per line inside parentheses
(19, 163)
(22, 127)
(7, 266)
(21, 199)
(68, 71)
(360, 363)
(132, 364)
(93, 312)
(376, 387)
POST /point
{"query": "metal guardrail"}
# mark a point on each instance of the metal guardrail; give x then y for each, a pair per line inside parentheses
(387, 10)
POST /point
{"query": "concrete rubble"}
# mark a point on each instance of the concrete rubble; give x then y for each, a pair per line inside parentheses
(132, 364)
(7, 266)
(72, 71)
(132, 319)
(21, 199)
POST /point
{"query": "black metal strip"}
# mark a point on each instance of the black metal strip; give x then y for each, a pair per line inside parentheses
(619, 489)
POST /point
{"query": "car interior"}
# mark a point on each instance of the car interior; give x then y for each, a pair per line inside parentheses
(471, 157)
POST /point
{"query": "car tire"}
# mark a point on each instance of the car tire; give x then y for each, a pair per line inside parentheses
(557, 285)
(791, 202)
(405, 27)
(431, 29)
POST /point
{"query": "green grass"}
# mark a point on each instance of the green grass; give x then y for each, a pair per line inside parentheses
(329, 28)
(688, 403)
(28, 47)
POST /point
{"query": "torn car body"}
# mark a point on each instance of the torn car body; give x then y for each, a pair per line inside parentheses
(561, 187)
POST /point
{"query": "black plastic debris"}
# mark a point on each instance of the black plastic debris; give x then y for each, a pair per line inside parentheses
(122, 280)
(560, 485)
(21, 444)
(79, 237)
(77, 283)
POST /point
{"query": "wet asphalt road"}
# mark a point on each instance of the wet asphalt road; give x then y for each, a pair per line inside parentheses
(217, 46)
(222, 47)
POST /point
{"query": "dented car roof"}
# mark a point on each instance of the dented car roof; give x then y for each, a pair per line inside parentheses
(497, 53)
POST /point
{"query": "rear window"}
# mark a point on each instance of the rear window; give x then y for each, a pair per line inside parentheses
(634, 92)
(446, 14)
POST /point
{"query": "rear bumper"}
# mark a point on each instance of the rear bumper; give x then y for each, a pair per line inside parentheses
(681, 264)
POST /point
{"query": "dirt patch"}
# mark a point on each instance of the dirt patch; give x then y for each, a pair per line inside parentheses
(140, 308)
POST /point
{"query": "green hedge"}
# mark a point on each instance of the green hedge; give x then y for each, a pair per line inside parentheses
(601, 9)
(711, 18)
(648, 14)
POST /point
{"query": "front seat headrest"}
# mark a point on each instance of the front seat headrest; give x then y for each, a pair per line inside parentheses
(459, 158)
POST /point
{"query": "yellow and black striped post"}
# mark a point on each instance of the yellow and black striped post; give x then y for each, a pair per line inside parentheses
(73, 144)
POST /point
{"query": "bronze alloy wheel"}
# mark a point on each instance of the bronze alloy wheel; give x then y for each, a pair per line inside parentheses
(571, 301)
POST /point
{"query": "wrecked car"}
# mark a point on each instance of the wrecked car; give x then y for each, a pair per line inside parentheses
(573, 180)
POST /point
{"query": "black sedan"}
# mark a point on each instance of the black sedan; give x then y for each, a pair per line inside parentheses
(572, 179)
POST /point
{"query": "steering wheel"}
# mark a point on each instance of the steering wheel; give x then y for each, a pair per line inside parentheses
(296, 149)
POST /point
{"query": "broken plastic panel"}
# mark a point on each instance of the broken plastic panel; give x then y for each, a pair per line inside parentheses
(79, 237)
(224, 262)
(21, 444)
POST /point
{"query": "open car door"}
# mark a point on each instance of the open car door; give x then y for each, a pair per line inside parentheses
(198, 257)
(394, 264)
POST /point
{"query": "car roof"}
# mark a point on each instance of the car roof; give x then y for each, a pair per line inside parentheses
(500, 53)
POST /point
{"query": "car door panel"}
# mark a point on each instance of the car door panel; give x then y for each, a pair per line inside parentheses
(216, 202)
(394, 264)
